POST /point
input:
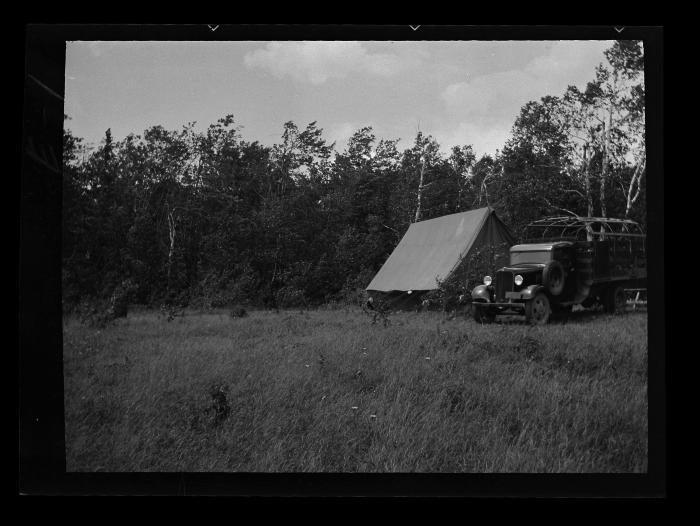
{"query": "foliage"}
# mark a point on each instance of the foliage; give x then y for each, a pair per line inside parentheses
(220, 405)
(238, 312)
(455, 290)
(207, 218)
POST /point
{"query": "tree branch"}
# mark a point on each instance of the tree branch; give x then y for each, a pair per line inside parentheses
(559, 208)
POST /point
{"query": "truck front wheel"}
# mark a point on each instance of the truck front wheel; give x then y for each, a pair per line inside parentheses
(538, 310)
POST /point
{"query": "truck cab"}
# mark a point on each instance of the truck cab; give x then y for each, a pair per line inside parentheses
(571, 264)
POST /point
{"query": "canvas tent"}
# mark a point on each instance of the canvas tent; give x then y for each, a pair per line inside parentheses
(434, 249)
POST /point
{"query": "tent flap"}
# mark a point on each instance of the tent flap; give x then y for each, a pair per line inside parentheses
(431, 250)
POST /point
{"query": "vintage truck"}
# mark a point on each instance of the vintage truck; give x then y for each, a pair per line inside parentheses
(566, 261)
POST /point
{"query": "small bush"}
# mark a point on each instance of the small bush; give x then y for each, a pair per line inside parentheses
(220, 405)
(119, 302)
(95, 313)
(171, 311)
(238, 312)
(353, 291)
(290, 297)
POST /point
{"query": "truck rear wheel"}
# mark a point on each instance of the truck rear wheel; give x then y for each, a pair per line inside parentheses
(538, 310)
(615, 300)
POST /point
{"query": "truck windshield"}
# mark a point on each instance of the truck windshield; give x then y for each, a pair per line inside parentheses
(534, 256)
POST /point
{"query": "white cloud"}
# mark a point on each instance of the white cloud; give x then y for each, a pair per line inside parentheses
(316, 62)
(484, 137)
(486, 106)
(494, 94)
(341, 133)
(568, 59)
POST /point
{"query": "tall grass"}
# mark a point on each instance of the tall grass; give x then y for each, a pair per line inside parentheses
(328, 391)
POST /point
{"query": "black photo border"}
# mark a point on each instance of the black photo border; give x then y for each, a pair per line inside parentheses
(41, 466)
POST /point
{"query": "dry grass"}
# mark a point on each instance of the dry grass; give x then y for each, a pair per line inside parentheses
(327, 391)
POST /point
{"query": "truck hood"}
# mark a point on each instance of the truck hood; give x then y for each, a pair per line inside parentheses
(521, 268)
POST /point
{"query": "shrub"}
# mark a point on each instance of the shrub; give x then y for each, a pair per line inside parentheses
(238, 312)
(220, 406)
(485, 260)
(353, 291)
(289, 297)
(455, 291)
(119, 302)
(95, 313)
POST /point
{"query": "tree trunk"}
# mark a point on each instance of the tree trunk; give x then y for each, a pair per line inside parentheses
(604, 167)
(484, 190)
(587, 174)
(420, 192)
(171, 233)
(633, 194)
(587, 181)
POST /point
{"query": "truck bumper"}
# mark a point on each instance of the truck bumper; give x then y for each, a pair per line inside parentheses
(503, 306)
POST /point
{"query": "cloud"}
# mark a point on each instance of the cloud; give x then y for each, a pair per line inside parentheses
(341, 133)
(317, 62)
(568, 59)
(484, 137)
(493, 101)
(495, 94)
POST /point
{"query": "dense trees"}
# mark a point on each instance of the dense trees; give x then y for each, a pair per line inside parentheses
(187, 216)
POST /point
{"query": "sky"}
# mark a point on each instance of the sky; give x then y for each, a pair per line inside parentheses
(460, 92)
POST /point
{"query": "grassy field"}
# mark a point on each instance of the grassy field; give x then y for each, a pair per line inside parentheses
(329, 391)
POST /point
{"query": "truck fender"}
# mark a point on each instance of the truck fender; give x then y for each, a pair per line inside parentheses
(482, 293)
(529, 292)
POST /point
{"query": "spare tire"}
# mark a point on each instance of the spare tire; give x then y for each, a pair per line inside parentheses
(553, 278)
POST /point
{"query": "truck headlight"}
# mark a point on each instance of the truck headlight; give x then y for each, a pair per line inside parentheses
(487, 280)
(518, 280)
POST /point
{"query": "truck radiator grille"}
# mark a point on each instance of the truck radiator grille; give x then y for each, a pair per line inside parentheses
(504, 283)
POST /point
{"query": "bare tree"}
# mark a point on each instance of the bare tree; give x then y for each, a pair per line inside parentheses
(172, 231)
(635, 185)
(421, 186)
(427, 150)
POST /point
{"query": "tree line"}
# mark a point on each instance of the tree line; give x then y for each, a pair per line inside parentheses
(208, 218)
